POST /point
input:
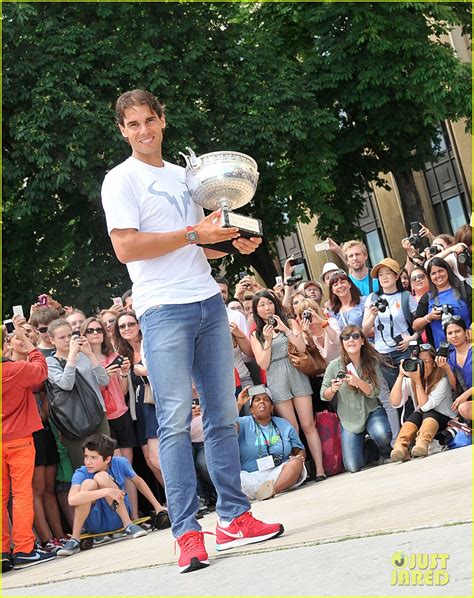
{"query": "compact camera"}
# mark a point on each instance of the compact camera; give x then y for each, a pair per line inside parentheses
(272, 322)
(434, 249)
(277, 460)
(292, 280)
(380, 303)
(307, 315)
(443, 350)
(465, 257)
(117, 361)
(341, 375)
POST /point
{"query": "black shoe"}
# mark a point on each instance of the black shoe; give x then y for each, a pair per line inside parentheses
(7, 562)
(21, 560)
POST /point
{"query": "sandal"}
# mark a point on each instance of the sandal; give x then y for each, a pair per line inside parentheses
(320, 478)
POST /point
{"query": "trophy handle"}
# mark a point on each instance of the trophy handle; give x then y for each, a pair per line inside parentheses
(192, 161)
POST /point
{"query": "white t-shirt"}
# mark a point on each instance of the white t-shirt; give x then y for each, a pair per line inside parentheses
(151, 199)
(384, 342)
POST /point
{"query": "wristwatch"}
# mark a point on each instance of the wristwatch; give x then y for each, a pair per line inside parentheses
(191, 235)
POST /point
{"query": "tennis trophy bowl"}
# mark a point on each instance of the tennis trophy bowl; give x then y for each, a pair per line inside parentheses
(225, 180)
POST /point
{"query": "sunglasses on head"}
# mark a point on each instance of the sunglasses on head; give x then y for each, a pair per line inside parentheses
(127, 325)
(354, 335)
(94, 330)
(337, 273)
(418, 277)
(426, 347)
(43, 329)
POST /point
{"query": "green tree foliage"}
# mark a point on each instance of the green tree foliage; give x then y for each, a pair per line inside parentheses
(324, 96)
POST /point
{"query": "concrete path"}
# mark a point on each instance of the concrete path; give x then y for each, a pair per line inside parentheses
(340, 537)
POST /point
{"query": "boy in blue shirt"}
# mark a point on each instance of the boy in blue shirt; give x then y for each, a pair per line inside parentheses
(98, 493)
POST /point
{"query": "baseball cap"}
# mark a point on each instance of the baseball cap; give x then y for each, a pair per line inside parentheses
(386, 263)
(304, 285)
(259, 389)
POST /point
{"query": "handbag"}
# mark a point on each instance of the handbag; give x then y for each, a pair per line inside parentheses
(148, 397)
(76, 412)
(310, 362)
(329, 429)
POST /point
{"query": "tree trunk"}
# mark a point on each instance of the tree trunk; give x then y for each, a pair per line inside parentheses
(409, 197)
(262, 261)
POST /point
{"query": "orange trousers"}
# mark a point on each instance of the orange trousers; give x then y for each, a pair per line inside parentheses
(18, 464)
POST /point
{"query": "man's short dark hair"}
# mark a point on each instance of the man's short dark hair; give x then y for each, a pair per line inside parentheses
(222, 280)
(100, 443)
(137, 97)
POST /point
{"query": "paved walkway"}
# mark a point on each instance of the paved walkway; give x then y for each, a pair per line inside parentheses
(340, 537)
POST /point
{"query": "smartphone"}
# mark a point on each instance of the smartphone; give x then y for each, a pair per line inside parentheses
(18, 311)
(278, 280)
(324, 246)
(9, 326)
(76, 333)
(297, 260)
(117, 301)
(415, 228)
(243, 275)
(117, 361)
(398, 339)
(195, 401)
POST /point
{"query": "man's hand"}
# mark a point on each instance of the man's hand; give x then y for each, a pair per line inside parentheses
(246, 246)
(210, 231)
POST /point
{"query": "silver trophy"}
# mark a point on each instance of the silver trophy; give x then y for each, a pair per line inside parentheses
(226, 180)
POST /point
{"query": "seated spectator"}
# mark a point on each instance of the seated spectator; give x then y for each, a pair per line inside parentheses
(291, 389)
(271, 454)
(76, 319)
(345, 301)
(20, 419)
(447, 296)
(460, 362)
(118, 414)
(98, 494)
(74, 353)
(355, 255)
(354, 380)
(432, 395)
(47, 521)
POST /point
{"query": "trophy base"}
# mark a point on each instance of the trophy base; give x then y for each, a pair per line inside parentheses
(248, 227)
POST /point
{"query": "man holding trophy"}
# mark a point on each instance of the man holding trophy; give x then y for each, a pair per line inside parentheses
(160, 232)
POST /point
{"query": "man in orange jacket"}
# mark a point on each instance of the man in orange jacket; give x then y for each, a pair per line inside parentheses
(20, 418)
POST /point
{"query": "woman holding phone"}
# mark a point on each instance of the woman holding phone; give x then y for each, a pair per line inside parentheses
(354, 380)
(128, 341)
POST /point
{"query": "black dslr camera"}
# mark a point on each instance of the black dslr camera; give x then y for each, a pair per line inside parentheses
(465, 257)
(443, 350)
(412, 363)
(380, 303)
(292, 280)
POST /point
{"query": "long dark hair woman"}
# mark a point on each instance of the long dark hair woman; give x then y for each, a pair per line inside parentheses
(290, 388)
(354, 380)
(345, 302)
(447, 296)
(128, 341)
(433, 398)
(460, 362)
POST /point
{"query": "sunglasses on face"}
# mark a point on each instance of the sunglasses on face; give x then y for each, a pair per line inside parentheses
(43, 329)
(94, 331)
(418, 277)
(127, 325)
(354, 335)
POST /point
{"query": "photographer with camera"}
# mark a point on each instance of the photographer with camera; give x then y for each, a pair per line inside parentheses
(458, 252)
(354, 380)
(290, 388)
(460, 362)
(431, 393)
(290, 281)
(389, 314)
(447, 296)
(271, 454)
(74, 353)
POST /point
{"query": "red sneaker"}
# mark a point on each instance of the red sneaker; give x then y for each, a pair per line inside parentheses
(192, 552)
(245, 530)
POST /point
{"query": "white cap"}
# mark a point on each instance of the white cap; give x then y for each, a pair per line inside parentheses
(328, 267)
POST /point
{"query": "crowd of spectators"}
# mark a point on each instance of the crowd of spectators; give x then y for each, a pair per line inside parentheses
(388, 350)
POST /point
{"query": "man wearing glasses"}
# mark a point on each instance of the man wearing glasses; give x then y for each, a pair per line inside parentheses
(155, 227)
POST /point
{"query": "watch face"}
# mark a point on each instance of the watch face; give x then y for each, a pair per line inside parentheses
(192, 236)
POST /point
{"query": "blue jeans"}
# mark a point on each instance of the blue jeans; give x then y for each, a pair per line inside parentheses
(181, 343)
(394, 358)
(355, 451)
